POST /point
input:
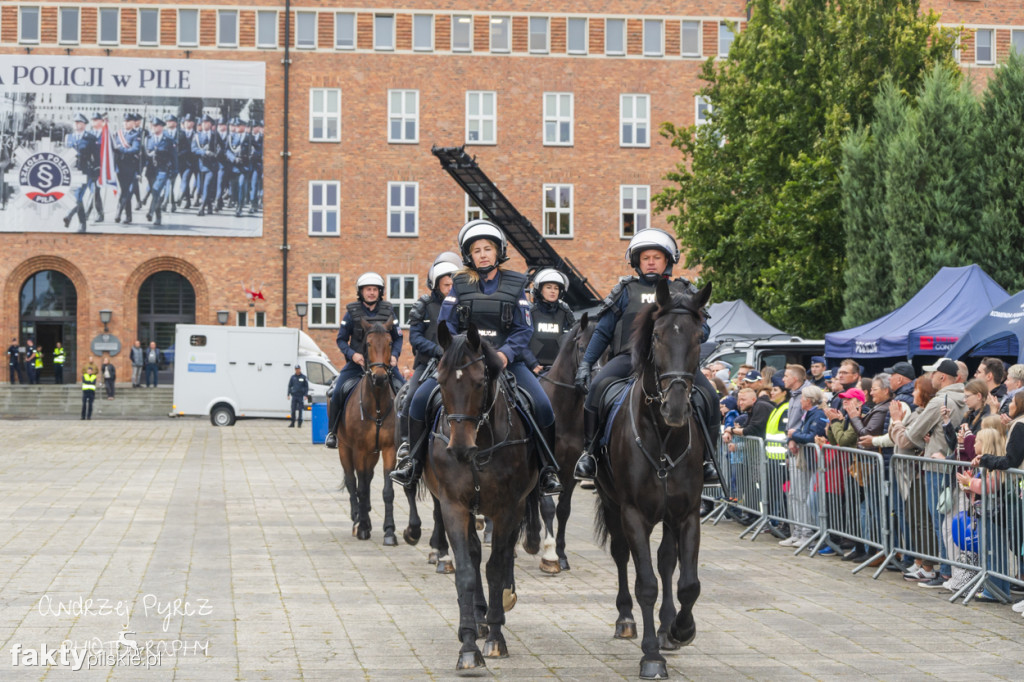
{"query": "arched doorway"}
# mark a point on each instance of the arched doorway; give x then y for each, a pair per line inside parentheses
(166, 299)
(48, 311)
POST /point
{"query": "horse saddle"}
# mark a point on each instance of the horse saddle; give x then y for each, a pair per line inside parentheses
(609, 403)
(353, 381)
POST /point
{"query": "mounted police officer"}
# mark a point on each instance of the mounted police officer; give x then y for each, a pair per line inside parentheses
(552, 318)
(352, 343)
(163, 154)
(205, 148)
(298, 391)
(493, 299)
(423, 320)
(126, 155)
(87, 146)
(651, 253)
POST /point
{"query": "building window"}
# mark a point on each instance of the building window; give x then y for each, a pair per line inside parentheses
(500, 35)
(615, 36)
(725, 38)
(473, 210)
(261, 318)
(481, 117)
(558, 118)
(539, 35)
(149, 27)
(557, 210)
(188, 27)
(402, 291)
(110, 26)
(325, 115)
(576, 35)
(28, 24)
(266, 29)
(462, 33)
(983, 52)
(635, 209)
(689, 39)
(384, 31)
(69, 26)
(702, 115)
(227, 28)
(634, 114)
(654, 37)
(423, 32)
(1017, 42)
(403, 209)
(324, 208)
(323, 301)
(305, 30)
(403, 115)
(345, 31)
(242, 318)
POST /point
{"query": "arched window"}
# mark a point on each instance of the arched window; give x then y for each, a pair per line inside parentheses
(48, 309)
(165, 300)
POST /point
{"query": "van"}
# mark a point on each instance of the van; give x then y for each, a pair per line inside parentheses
(230, 373)
(776, 352)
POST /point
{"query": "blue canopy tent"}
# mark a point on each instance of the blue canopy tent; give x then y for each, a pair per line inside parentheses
(928, 324)
(999, 332)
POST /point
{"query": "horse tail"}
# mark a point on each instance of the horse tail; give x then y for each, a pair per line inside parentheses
(532, 522)
(601, 531)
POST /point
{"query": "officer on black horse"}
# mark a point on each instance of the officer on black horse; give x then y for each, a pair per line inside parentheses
(552, 318)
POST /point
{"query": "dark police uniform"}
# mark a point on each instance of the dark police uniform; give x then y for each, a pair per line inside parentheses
(87, 147)
(31, 364)
(162, 152)
(238, 156)
(12, 362)
(550, 323)
(127, 144)
(256, 177)
(188, 165)
(225, 167)
(205, 147)
(298, 391)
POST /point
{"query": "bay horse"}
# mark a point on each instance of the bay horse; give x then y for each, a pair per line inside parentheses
(366, 433)
(479, 461)
(653, 473)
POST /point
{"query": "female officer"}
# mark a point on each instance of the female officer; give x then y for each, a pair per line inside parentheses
(552, 318)
(651, 253)
(495, 300)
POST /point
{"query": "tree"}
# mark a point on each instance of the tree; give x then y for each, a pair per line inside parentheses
(756, 199)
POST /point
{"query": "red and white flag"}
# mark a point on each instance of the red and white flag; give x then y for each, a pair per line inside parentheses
(108, 173)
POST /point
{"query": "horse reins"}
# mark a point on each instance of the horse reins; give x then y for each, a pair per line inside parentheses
(380, 417)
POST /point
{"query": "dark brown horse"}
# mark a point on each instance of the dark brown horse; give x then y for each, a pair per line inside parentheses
(366, 433)
(652, 474)
(480, 462)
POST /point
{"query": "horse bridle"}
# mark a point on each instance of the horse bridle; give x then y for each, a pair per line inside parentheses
(379, 416)
(577, 356)
(674, 377)
(485, 415)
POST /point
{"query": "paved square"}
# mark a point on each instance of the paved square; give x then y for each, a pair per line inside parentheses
(230, 551)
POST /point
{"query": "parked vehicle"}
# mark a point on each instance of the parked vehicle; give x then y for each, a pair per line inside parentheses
(777, 352)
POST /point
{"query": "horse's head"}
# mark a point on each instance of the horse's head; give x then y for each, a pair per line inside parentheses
(378, 351)
(466, 374)
(666, 348)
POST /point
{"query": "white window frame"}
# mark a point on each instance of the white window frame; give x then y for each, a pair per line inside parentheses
(261, 319)
(557, 211)
(325, 114)
(547, 35)
(402, 305)
(507, 21)
(473, 210)
(337, 33)
(634, 120)
(700, 38)
(275, 19)
(991, 46)
(415, 33)
(60, 26)
(242, 318)
(404, 116)
(1016, 35)
(221, 14)
(722, 26)
(377, 45)
(22, 11)
(178, 23)
(634, 210)
(322, 302)
(481, 118)
(138, 27)
(699, 120)
(316, 30)
(660, 25)
(957, 55)
(403, 210)
(558, 117)
(586, 35)
(458, 18)
(324, 208)
(622, 35)
(117, 26)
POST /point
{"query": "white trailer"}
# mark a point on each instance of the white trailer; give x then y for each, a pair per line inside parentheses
(230, 373)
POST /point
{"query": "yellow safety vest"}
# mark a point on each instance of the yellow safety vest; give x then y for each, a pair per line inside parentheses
(58, 356)
(39, 358)
(775, 438)
(88, 382)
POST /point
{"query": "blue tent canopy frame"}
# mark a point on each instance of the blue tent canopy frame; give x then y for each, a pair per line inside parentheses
(1000, 332)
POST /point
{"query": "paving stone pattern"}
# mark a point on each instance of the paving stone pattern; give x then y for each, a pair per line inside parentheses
(248, 526)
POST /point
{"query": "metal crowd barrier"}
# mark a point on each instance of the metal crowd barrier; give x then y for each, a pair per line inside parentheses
(742, 468)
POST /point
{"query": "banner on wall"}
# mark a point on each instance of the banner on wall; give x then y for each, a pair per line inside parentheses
(131, 146)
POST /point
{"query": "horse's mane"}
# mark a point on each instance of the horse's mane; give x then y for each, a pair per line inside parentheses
(643, 328)
(460, 346)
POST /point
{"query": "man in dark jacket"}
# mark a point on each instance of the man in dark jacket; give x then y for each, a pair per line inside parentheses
(298, 390)
(152, 361)
(901, 381)
(758, 410)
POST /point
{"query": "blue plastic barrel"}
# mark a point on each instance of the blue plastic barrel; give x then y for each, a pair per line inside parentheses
(319, 419)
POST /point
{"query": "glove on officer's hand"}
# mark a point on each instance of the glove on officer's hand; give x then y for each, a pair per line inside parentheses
(582, 380)
(438, 352)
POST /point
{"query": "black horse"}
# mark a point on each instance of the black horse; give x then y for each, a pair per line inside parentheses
(653, 473)
(480, 462)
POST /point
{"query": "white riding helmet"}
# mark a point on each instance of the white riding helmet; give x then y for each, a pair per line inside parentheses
(445, 264)
(549, 276)
(652, 238)
(369, 279)
(482, 229)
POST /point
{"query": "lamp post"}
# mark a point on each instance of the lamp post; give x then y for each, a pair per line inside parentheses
(105, 316)
(301, 309)
(222, 316)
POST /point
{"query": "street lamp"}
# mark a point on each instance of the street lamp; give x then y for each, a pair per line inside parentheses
(222, 316)
(301, 309)
(105, 316)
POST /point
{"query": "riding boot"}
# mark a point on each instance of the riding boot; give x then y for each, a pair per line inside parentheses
(409, 470)
(586, 467)
(710, 426)
(332, 425)
(548, 483)
(403, 439)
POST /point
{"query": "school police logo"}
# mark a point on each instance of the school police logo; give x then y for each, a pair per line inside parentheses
(45, 177)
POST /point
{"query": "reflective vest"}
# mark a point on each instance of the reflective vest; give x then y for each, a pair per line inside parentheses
(493, 313)
(88, 382)
(39, 358)
(775, 435)
(58, 356)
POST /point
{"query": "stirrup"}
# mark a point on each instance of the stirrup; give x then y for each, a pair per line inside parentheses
(553, 487)
(407, 474)
(585, 474)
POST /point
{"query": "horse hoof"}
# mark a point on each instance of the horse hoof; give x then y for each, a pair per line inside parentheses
(482, 630)
(446, 567)
(508, 599)
(495, 648)
(531, 547)
(550, 567)
(563, 564)
(470, 660)
(411, 535)
(653, 670)
(432, 557)
(625, 629)
(363, 534)
(686, 637)
(480, 523)
(390, 541)
(667, 642)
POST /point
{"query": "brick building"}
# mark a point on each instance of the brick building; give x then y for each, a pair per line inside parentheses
(559, 101)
